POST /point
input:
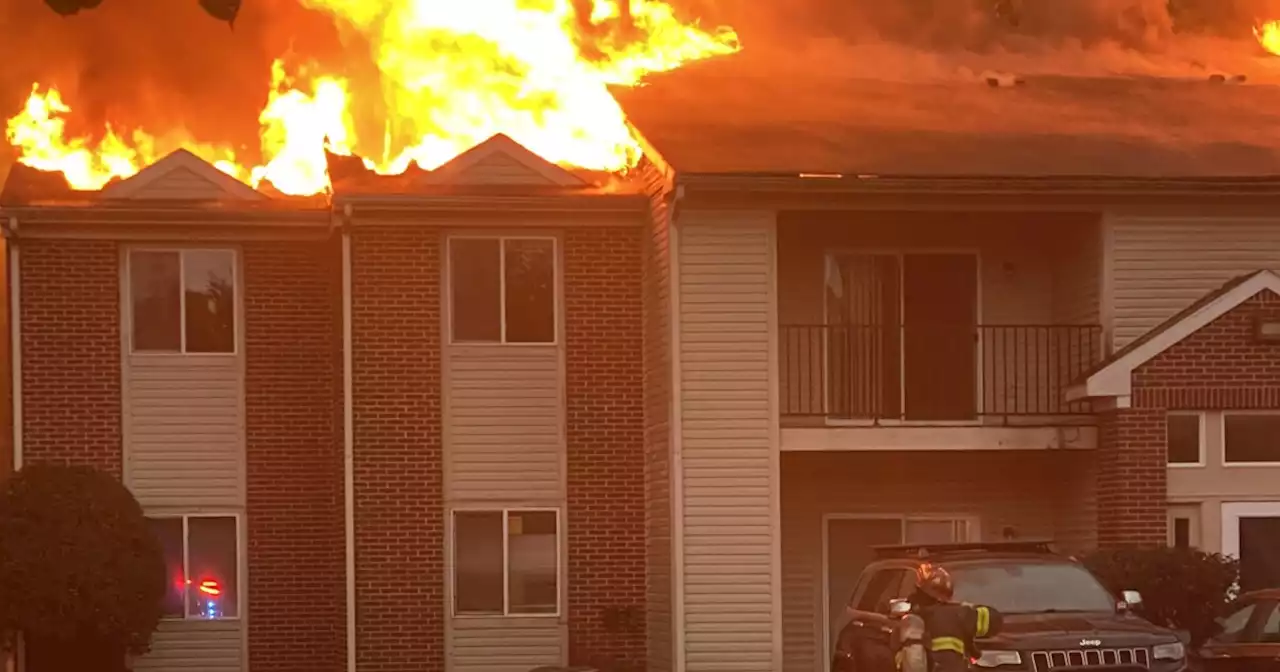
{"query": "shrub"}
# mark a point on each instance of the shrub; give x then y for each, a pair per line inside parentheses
(1184, 589)
(81, 574)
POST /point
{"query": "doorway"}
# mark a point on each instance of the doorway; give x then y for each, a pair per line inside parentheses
(1251, 532)
(847, 541)
(902, 336)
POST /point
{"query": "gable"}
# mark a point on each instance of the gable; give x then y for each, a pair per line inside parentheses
(1114, 379)
(501, 161)
(182, 176)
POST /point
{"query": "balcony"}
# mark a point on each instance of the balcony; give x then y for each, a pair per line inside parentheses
(1011, 375)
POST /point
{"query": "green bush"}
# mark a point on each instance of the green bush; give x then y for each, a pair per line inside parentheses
(1183, 589)
(81, 574)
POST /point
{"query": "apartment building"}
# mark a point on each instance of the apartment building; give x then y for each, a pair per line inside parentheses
(501, 414)
(423, 398)
(885, 319)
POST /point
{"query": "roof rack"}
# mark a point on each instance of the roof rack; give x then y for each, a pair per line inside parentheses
(1044, 546)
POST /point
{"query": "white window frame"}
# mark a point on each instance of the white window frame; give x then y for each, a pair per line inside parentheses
(1203, 437)
(127, 308)
(502, 288)
(506, 512)
(186, 563)
(1222, 439)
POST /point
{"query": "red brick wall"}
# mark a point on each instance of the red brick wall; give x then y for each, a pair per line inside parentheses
(606, 461)
(1219, 367)
(398, 476)
(71, 353)
(293, 388)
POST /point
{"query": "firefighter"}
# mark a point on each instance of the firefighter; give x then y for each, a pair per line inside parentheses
(939, 630)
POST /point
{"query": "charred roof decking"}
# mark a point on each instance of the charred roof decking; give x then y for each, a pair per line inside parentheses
(717, 118)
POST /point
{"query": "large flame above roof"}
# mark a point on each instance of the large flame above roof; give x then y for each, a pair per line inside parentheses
(450, 74)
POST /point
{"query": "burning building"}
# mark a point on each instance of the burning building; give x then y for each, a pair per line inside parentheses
(636, 376)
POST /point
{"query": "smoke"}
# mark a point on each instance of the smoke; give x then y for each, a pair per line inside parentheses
(163, 63)
(912, 40)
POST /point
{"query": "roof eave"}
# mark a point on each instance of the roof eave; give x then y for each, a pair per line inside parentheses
(1064, 190)
(383, 207)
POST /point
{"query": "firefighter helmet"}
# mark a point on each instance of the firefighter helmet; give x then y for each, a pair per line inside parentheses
(935, 582)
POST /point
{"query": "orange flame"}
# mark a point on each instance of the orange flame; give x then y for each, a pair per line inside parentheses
(451, 75)
(1268, 35)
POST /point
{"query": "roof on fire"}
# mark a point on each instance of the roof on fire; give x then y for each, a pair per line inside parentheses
(717, 117)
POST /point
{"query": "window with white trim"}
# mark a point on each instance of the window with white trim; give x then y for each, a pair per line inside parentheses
(1183, 436)
(201, 554)
(506, 562)
(1250, 438)
(502, 289)
(182, 301)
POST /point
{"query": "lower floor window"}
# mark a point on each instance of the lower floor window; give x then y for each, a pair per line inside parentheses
(201, 555)
(506, 562)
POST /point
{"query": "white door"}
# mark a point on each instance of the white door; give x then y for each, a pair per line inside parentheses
(1251, 532)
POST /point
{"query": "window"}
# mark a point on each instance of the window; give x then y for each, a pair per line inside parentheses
(182, 301)
(1250, 438)
(882, 588)
(1271, 627)
(1031, 587)
(1233, 626)
(1182, 533)
(502, 290)
(506, 563)
(1183, 438)
(201, 555)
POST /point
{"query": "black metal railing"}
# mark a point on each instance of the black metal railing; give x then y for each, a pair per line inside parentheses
(933, 372)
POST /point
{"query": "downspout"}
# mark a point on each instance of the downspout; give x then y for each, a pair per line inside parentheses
(348, 439)
(15, 336)
(677, 451)
(15, 373)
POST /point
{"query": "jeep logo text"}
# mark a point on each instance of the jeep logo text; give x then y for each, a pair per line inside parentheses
(1091, 642)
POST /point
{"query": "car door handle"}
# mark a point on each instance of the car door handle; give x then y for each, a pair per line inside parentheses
(886, 629)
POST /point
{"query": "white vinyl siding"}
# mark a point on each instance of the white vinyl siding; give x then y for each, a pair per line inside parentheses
(504, 429)
(493, 644)
(181, 184)
(1161, 265)
(184, 430)
(504, 446)
(195, 646)
(729, 446)
(183, 423)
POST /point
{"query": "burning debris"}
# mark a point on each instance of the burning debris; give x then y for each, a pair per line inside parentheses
(444, 76)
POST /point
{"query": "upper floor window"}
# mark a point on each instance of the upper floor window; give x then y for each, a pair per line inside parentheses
(1250, 438)
(502, 289)
(183, 301)
(202, 554)
(506, 562)
(1183, 438)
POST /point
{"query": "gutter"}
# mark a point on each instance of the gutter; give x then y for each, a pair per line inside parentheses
(348, 438)
(1067, 191)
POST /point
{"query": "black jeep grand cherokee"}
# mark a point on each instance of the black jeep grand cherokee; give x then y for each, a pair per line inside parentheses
(1056, 614)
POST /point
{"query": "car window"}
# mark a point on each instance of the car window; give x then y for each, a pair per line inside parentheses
(1233, 625)
(1035, 587)
(883, 587)
(1271, 628)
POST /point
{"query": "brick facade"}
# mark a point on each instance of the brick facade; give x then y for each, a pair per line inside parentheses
(293, 392)
(605, 431)
(398, 469)
(71, 353)
(1220, 367)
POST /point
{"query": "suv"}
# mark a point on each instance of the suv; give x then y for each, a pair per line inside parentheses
(1056, 613)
